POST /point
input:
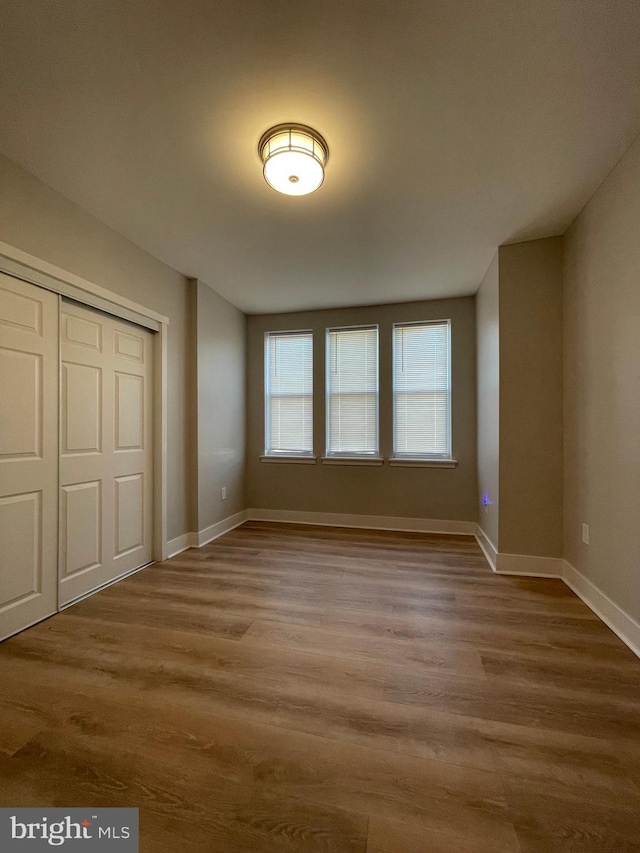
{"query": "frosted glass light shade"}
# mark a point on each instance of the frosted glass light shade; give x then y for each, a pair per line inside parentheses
(293, 157)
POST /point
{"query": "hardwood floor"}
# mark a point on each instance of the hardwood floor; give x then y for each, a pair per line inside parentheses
(291, 688)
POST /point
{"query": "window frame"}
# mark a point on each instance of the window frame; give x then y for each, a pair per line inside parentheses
(365, 455)
(400, 457)
(285, 454)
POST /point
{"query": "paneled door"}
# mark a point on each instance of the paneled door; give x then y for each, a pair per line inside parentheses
(28, 454)
(106, 460)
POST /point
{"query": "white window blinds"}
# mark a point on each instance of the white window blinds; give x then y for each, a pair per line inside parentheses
(352, 391)
(422, 390)
(289, 393)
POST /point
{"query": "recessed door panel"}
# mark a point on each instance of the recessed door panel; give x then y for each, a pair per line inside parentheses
(79, 330)
(20, 382)
(106, 450)
(20, 547)
(81, 408)
(20, 311)
(81, 527)
(129, 514)
(129, 406)
(28, 454)
(129, 346)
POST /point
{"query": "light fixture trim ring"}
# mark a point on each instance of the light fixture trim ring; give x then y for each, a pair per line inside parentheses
(293, 127)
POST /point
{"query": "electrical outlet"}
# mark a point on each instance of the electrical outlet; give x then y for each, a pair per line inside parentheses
(224, 493)
(585, 534)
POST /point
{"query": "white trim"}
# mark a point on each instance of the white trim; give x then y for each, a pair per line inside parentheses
(203, 537)
(620, 622)
(27, 267)
(366, 522)
(517, 564)
(18, 263)
(352, 460)
(297, 460)
(406, 462)
(160, 442)
(528, 566)
(487, 547)
(178, 545)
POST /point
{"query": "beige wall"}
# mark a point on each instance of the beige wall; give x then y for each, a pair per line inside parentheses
(520, 443)
(38, 220)
(602, 386)
(488, 358)
(220, 370)
(531, 398)
(383, 491)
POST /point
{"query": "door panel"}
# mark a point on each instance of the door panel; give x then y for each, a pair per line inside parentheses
(129, 532)
(81, 409)
(106, 449)
(21, 311)
(80, 330)
(28, 454)
(129, 412)
(82, 534)
(129, 346)
(21, 380)
(21, 545)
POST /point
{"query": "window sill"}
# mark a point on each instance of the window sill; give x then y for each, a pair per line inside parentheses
(399, 462)
(352, 460)
(296, 460)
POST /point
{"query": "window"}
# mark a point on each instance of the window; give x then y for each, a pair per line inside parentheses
(422, 390)
(289, 394)
(352, 392)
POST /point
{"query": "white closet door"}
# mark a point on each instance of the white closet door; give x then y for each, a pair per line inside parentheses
(106, 459)
(28, 454)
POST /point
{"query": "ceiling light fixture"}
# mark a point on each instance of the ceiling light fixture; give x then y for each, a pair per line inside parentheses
(294, 157)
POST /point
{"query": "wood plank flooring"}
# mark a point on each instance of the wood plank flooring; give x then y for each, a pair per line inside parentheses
(292, 688)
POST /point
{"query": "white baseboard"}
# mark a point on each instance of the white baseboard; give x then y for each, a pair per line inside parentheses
(365, 522)
(517, 564)
(620, 622)
(324, 519)
(528, 566)
(178, 545)
(488, 548)
(203, 537)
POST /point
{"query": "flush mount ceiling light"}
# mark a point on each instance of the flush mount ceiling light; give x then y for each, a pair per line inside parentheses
(293, 157)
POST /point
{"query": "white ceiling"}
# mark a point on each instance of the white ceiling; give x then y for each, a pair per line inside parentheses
(454, 126)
